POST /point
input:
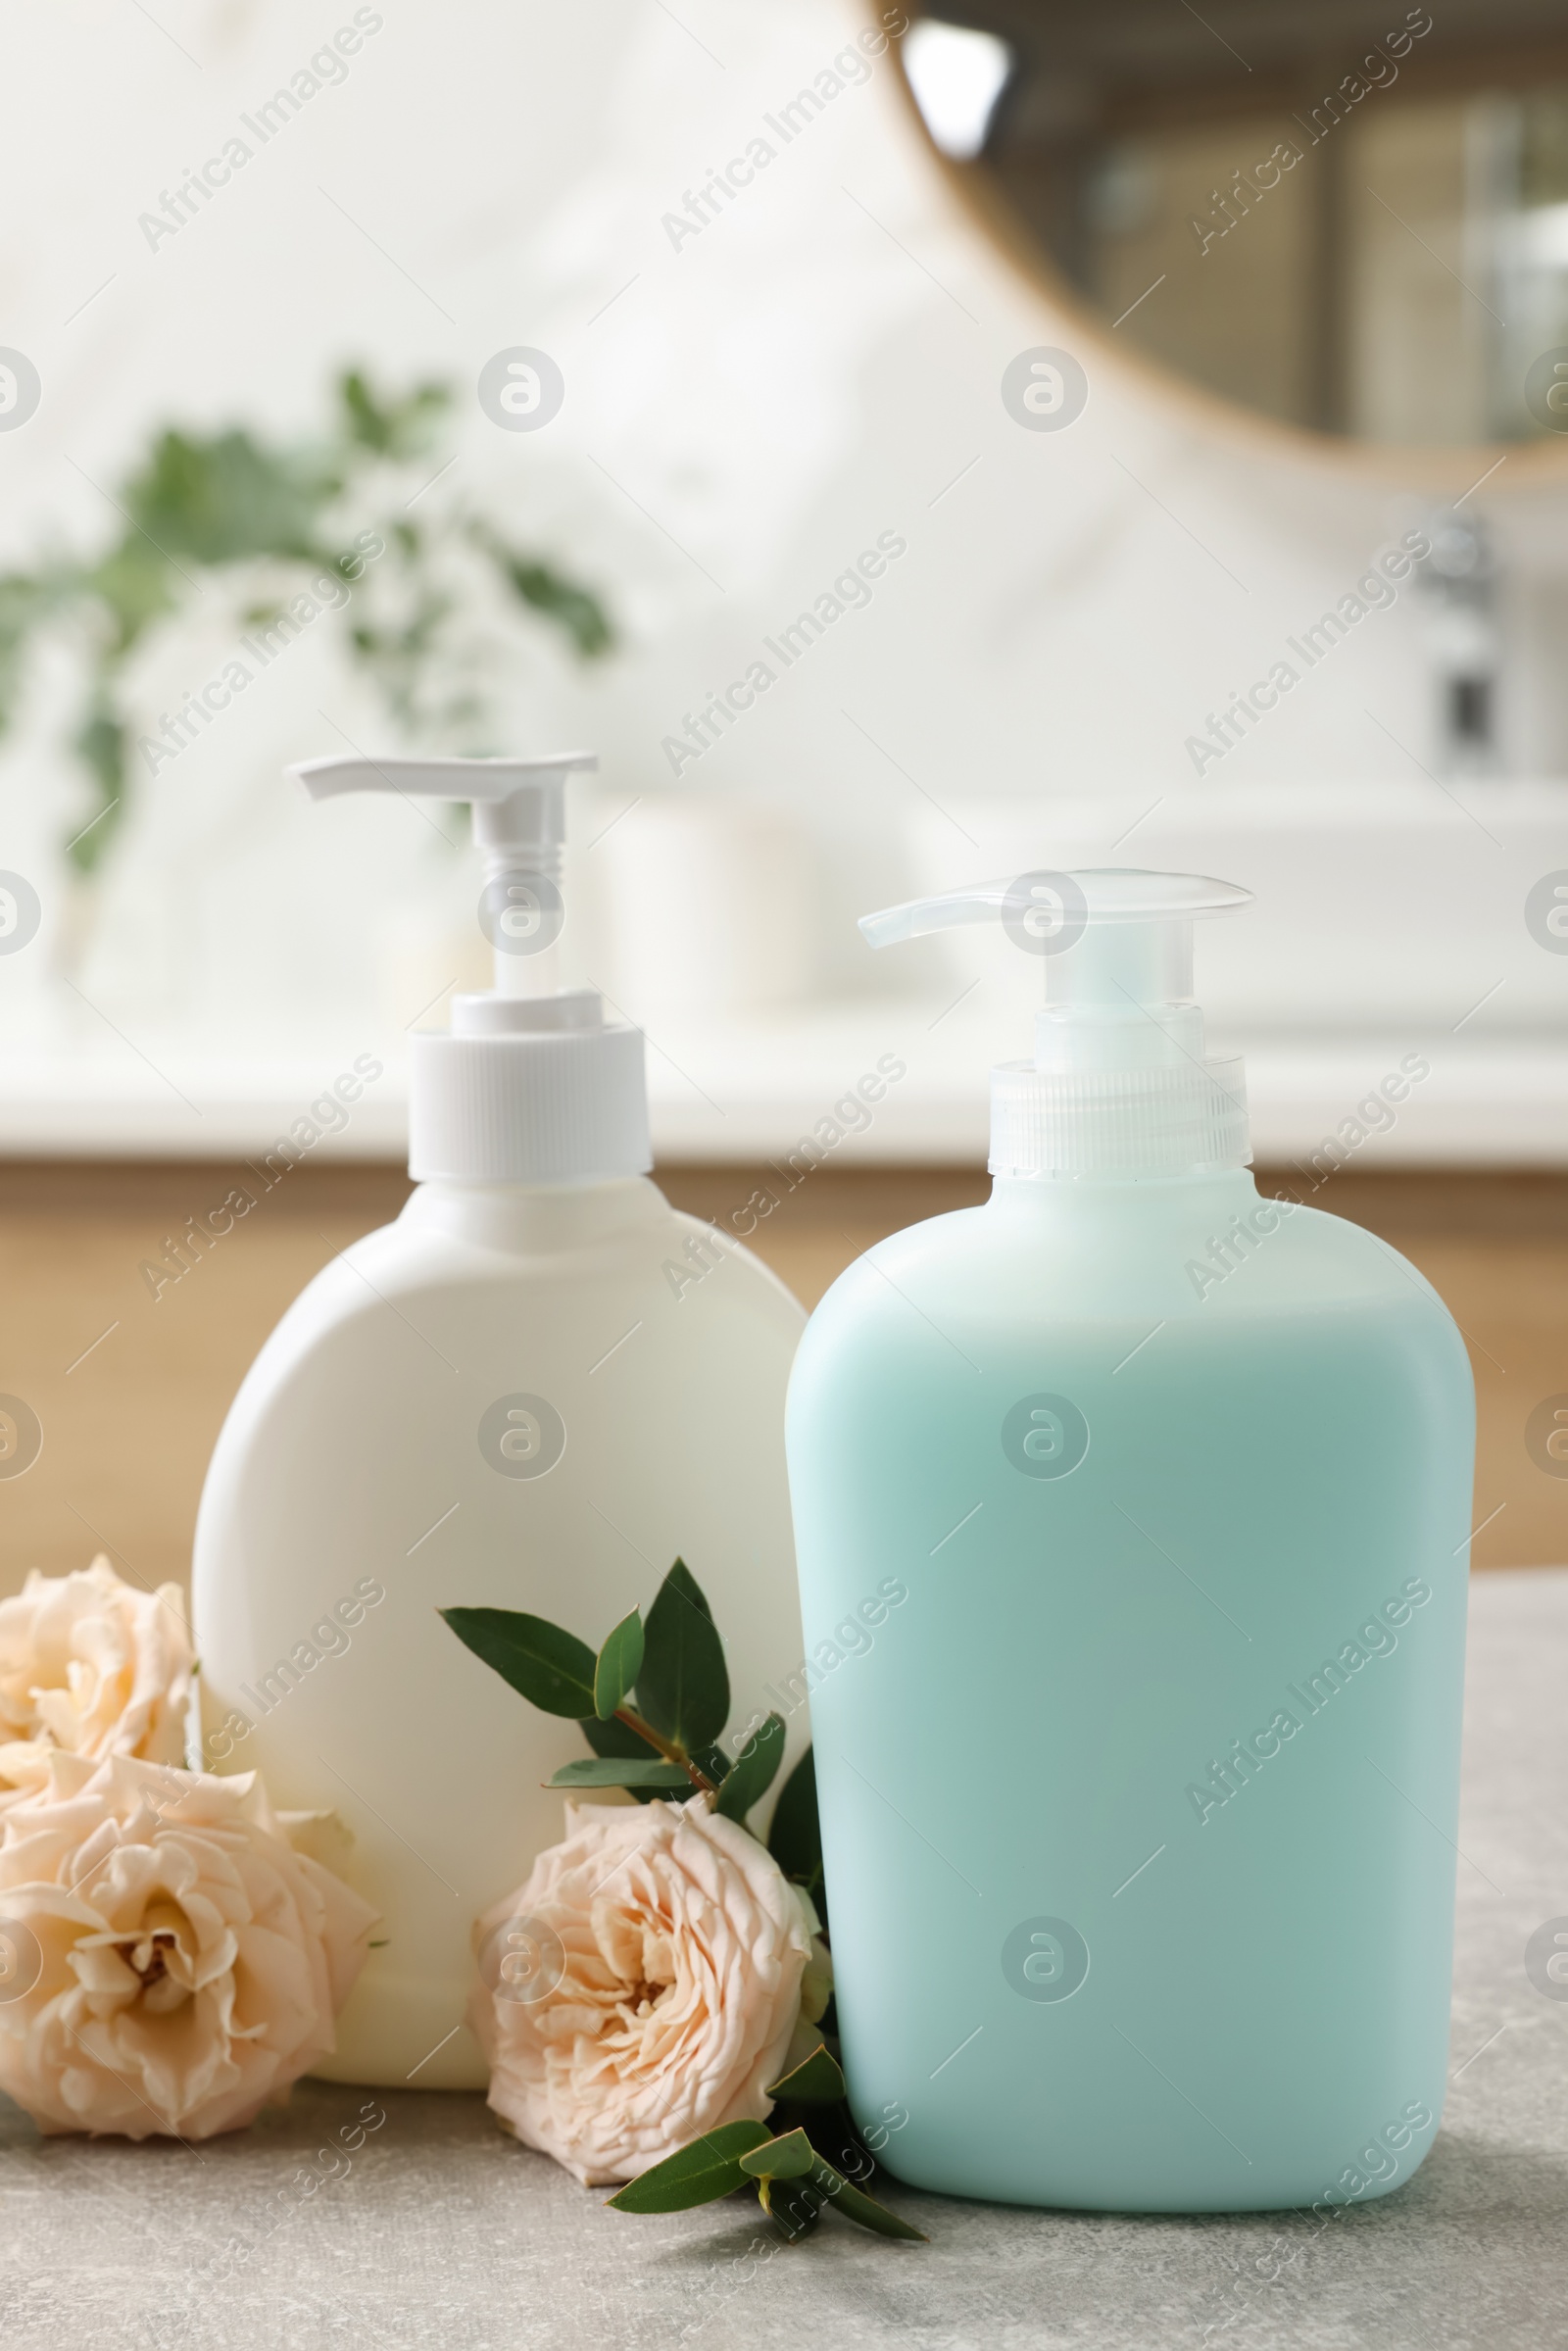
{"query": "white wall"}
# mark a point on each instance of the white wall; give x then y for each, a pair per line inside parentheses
(818, 366)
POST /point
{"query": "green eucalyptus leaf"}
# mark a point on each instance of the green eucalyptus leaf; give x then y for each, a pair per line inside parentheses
(817, 2081)
(855, 2205)
(575, 610)
(100, 744)
(791, 2157)
(227, 498)
(618, 1739)
(750, 1775)
(136, 586)
(392, 428)
(615, 1738)
(611, 1771)
(794, 1838)
(795, 2205)
(618, 1665)
(709, 2167)
(553, 1669)
(712, 1762)
(683, 1687)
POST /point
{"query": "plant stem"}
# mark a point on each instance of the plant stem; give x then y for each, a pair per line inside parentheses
(671, 1754)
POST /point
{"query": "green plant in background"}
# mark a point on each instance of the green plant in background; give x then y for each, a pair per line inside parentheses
(653, 1702)
(201, 508)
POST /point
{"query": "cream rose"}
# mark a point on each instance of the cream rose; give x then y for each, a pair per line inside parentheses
(92, 1666)
(644, 1984)
(168, 1961)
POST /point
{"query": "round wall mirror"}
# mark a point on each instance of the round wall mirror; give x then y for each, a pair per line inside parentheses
(1348, 218)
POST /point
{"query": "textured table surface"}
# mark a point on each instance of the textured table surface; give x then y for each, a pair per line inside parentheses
(441, 2231)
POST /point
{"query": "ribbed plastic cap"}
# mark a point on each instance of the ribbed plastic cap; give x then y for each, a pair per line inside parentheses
(1118, 1122)
(527, 1091)
(563, 1109)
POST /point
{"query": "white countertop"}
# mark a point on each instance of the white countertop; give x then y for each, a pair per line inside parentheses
(740, 1095)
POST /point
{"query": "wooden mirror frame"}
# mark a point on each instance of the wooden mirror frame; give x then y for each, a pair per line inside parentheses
(1436, 470)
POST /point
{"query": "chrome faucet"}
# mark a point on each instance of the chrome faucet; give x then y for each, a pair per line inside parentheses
(1459, 578)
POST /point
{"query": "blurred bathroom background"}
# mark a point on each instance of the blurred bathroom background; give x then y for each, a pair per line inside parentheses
(909, 448)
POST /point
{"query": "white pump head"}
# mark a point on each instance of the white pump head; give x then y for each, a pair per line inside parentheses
(530, 1085)
(1119, 1084)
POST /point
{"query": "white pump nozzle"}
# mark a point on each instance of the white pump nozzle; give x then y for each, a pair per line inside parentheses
(531, 1085)
(1119, 1083)
(519, 822)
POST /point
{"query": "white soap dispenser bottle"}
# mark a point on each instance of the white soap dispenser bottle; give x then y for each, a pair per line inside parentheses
(533, 1390)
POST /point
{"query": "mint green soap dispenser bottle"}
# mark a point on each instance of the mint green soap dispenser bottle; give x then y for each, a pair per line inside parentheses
(1139, 1809)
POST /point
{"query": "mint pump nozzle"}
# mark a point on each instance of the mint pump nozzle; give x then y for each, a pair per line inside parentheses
(530, 1085)
(1119, 1084)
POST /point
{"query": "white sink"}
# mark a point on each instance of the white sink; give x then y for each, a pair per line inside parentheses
(1381, 908)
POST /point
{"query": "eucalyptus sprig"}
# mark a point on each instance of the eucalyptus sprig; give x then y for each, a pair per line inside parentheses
(651, 1703)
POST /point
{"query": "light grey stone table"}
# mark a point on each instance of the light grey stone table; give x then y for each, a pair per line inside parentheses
(445, 2234)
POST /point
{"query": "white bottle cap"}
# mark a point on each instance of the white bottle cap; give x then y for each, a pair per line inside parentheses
(530, 1085)
(1119, 1084)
